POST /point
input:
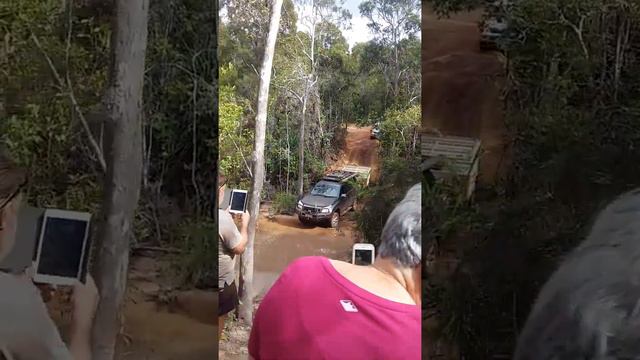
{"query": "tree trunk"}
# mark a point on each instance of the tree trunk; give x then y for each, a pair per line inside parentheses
(320, 124)
(124, 171)
(246, 306)
(286, 119)
(301, 142)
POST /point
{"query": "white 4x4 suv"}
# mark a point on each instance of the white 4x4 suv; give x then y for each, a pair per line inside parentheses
(492, 29)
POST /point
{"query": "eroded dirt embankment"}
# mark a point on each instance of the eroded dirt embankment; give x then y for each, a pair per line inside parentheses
(361, 150)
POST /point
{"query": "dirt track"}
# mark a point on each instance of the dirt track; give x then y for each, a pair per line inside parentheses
(360, 150)
(461, 86)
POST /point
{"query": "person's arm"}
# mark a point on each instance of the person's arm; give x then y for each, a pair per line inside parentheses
(85, 302)
(244, 234)
(80, 344)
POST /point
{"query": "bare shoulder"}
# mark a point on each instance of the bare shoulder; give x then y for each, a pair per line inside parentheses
(341, 265)
(349, 270)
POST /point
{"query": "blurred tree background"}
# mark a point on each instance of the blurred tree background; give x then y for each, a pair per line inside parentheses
(43, 132)
(572, 109)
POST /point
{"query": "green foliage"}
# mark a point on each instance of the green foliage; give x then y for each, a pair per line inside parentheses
(43, 132)
(198, 263)
(235, 142)
(351, 88)
(395, 25)
(284, 203)
(572, 105)
(444, 8)
(397, 176)
(181, 101)
(446, 212)
(400, 131)
(37, 123)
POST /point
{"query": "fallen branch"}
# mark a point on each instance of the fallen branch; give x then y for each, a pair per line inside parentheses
(74, 102)
(141, 248)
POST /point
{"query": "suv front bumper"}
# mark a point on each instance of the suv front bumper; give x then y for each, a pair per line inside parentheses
(313, 216)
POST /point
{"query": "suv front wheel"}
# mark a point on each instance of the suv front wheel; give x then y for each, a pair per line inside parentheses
(335, 220)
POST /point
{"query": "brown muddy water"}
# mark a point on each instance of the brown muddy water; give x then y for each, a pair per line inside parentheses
(182, 327)
(282, 239)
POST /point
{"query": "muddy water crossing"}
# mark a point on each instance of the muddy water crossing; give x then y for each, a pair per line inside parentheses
(160, 322)
(176, 325)
(282, 239)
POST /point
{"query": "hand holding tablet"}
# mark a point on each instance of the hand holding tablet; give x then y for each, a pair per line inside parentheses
(238, 203)
(63, 250)
(234, 201)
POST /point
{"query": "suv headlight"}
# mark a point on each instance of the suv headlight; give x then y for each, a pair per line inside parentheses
(326, 210)
(300, 204)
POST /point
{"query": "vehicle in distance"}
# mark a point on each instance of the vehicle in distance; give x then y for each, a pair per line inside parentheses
(331, 197)
(375, 131)
(492, 30)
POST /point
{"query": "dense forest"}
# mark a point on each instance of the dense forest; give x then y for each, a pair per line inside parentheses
(319, 86)
(573, 114)
(55, 60)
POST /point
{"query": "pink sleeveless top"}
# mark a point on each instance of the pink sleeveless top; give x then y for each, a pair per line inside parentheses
(313, 312)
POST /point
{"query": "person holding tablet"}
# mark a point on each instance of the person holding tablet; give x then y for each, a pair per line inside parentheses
(26, 330)
(231, 242)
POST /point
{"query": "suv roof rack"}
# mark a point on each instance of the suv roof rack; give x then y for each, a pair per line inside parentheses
(339, 176)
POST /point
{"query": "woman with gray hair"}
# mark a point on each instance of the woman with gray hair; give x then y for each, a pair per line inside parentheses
(590, 307)
(329, 309)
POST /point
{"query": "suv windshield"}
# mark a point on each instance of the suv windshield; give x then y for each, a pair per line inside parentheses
(326, 190)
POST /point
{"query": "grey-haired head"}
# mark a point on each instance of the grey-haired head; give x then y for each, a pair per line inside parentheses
(590, 307)
(402, 234)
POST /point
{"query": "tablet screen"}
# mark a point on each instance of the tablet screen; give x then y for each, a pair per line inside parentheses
(62, 243)
(238, 200)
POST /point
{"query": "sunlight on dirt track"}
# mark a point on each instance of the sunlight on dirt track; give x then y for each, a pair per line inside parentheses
(361, 150)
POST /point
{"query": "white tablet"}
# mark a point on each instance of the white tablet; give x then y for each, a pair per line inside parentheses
(238, 201)
(62, 251)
